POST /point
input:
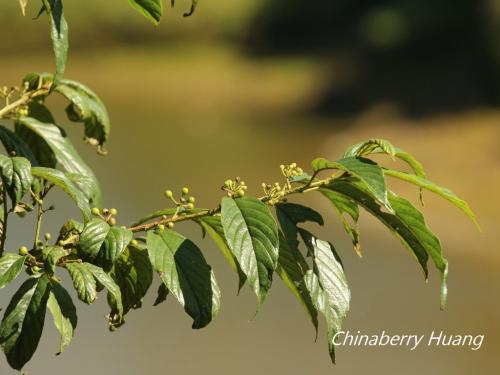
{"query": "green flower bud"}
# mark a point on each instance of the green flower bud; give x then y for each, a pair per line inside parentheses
(95, 211)
(185, 190)
(134, 242)
(112, 221)
(23, 250)
(191, 200)
(35, 269)
(228, 183)
(190, 206)
(240, 193)
(47, 236)
(169, 194)
(113, 211)
(161, 227)
(170, 225)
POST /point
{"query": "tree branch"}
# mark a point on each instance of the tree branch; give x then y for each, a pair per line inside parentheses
(310, 186)
(23, 100)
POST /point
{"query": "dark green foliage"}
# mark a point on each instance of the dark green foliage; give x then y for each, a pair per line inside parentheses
(101, 256)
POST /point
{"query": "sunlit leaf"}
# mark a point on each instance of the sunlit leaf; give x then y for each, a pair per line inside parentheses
(83, 281)
(252, 235)
(186, 274)
(59, 179)
(10, 267)
(63, 312)
(367, 171)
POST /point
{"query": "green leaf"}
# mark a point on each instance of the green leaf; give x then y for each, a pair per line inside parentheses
(59, 179)
(407, 223)
(59, 35)
(194, 4)
(133, 273)
(186, 274)
(385, 147)
(16, 176)
(367, 171)
(291, 214)
(23, 322)
(42, 151)
(441, 191)
(328, 288)
(69, 228)
(91, 239)
(51, 255)
(292, 268)
(83, 281)
(252, 235)
(50, 144)
(370, 146)
(345, 205)
(36, 80)
(162, 294)
(213, 226)
(116, 316)
(10, 267)
(114, 244)
(151, 9)
(63, 312)
(14, 145)
(85, 106)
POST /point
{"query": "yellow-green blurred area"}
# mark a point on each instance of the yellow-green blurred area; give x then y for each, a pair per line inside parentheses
(244, 86)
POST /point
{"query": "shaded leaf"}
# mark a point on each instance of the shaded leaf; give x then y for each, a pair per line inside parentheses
(15, 146)
(23, 321)
(292, 268)
(133, 273)
(213, 226)
(162, 294)
(186, 275)
(114, 244)
(345, 205)
(291, 214)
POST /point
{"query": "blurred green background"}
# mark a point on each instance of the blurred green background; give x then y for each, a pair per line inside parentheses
(248, 85)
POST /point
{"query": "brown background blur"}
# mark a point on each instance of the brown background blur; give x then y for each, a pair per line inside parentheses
(242, 87)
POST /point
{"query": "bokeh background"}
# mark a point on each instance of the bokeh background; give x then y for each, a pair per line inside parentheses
(242, 87)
